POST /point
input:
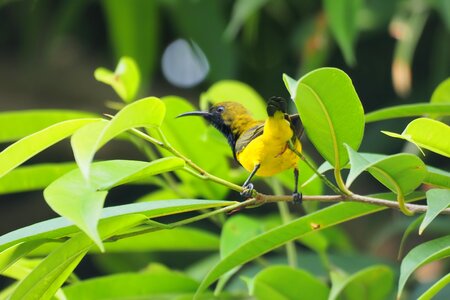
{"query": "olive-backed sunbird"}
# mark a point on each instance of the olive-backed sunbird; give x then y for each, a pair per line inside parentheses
(261, 147)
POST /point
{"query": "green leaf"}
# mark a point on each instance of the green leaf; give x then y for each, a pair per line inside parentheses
(147, 112)
(22, 150)
(18, 124)
(435, 288)
(291, 85)
(426, 133)
(158, 285)
(12, 254)
(81, 202)
(342, 17)
(237, 230)
(437, 201)
(177, 239)
(442, 93)
(410, 229)
(230, 90)
(242, 10)
(192, 138)
(52, 272)
(424, 253)
(327, 101)
(33, 177)
(372, 283)
(124, 80)
(133, 31)
(278, 236)
(409, 110)
(437, 177)
(283, 283)
(404, 172)
(61, 227)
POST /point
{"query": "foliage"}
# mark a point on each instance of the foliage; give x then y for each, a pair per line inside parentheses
(42, 257)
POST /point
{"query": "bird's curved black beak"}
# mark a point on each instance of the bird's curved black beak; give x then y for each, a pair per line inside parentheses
(204, 114)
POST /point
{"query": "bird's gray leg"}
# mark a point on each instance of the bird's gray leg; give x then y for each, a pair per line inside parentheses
(247, 186)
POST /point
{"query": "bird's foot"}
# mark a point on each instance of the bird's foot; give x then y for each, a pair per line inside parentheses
(248, 191)
(297, 198)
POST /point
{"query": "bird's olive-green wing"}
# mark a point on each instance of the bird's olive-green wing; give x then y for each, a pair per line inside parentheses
(248, 136)
(296, 126)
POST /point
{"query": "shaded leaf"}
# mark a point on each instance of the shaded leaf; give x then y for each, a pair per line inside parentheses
(82, 202)
(437, 177)
(280, 235)
(124, 80)
(147, 112)
(326, 101)
(435, 288)
(409, 110)
(22, 150)
(422, 254)
(283, 282)
(242, 10)
(372, 283)
(437, 201)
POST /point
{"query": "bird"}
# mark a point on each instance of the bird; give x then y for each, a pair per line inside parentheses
(260, 146)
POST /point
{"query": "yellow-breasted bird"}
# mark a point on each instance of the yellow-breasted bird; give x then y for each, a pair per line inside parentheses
(261, 147)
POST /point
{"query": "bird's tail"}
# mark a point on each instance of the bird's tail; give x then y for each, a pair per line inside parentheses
(276, 104)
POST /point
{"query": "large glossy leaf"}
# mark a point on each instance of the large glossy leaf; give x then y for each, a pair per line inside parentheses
(22, 150)
(372, 283)
(400, 172)
(82, 202)
(276, 237)
(286, 283)
(437, 201)
(426, 133)
(157, 285)
(230, 90)
(133, 31)
(34, 177)
(327, 101)
(408, 110)
(191, 137)
(18, 124)
(147, 112)
(342, 17)
(421, 255)
(50, 274)
(61, 227)
(124, 80)
(177, 239)
(236, 231)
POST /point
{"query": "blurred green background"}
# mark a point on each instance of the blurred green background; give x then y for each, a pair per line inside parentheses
(396, 52)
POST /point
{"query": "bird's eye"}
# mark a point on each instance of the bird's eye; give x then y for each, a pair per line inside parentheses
(220, 109)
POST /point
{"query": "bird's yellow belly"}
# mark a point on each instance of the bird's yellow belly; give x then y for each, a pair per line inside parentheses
(273, 155)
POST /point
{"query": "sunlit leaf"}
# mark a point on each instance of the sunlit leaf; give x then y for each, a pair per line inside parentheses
(124, 80)
(10, 255)
(442, 93)
(18, 124)
(327, 101)
(422, 254)
(409, 110)
(33, 177)
(52, 272)
(22, 150)
(437, 201)
(147, 112)
(427, 133)
(291, 85)
(82, 202)
(372, 283)
(230, 90)
(276, 237)
(286, 283)
(61, 227)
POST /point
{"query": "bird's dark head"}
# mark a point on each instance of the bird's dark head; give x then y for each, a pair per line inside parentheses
(230, 118)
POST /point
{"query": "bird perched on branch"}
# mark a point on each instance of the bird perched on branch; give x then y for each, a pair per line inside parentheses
(261, 147)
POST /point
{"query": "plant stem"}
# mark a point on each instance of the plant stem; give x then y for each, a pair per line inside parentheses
(286, 217)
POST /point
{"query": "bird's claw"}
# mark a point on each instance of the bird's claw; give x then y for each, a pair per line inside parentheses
(248, 191)
(297, 198)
